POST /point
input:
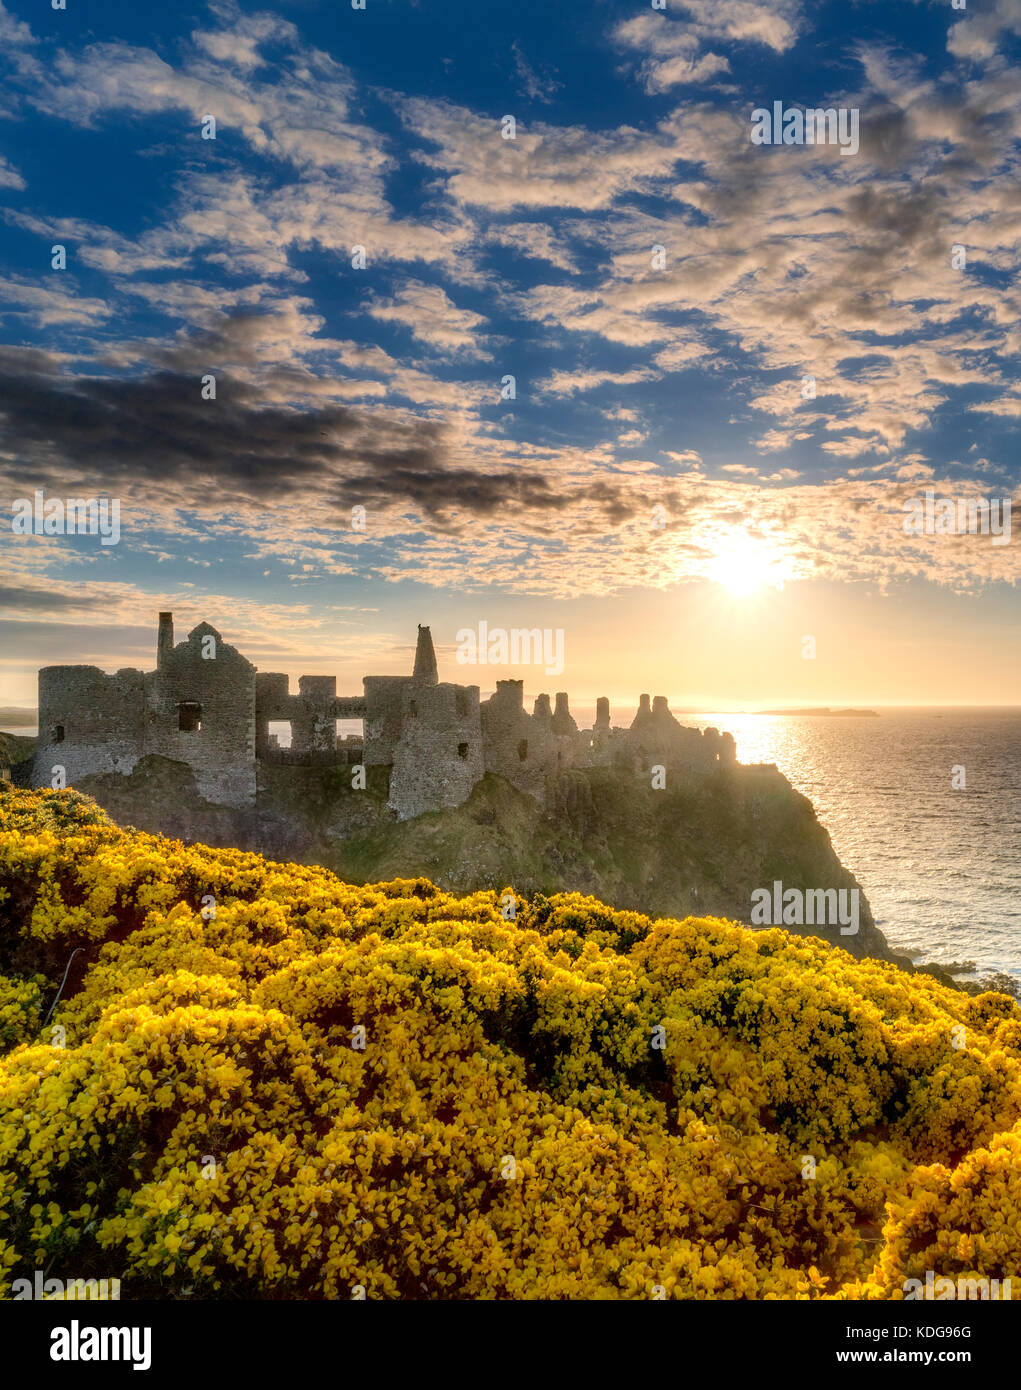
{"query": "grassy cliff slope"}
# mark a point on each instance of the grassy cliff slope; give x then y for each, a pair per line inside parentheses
(701, 845)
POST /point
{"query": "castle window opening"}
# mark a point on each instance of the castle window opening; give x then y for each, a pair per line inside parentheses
(523, 749)
(463, 704)
(279, 733)
(57, 733)
(189, 716)
(350, 731)
(462, 750)
(413, 708)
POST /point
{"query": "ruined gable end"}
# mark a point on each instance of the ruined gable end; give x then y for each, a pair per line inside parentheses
(201, 711)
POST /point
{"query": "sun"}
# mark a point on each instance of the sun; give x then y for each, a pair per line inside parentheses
(744, 565)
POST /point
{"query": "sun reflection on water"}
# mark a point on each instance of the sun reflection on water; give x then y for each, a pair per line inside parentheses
(760, 738)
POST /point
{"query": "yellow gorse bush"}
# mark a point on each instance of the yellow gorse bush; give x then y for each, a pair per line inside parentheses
(275, 1084)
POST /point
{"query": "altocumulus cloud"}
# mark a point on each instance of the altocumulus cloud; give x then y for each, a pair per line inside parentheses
(485, 254)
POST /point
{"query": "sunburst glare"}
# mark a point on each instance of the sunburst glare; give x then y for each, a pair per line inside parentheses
(744, 564)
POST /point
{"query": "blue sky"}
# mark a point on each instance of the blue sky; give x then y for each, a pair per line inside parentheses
(659, 441)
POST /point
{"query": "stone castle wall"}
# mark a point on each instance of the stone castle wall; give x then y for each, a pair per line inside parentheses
(384, 717)
(205, 705)
(201, 711)
(89, 722)
(515, 745)
(438, 758)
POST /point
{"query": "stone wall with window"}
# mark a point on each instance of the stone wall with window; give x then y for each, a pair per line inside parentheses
(89, 722)
(200, 710)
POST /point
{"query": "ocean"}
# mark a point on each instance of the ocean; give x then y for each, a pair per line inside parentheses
(940, 867)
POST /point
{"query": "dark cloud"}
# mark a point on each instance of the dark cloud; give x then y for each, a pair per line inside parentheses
(152, 439)
(15, 596)
(910, 214)
(887, 139)
(457, 489)
(154, 434)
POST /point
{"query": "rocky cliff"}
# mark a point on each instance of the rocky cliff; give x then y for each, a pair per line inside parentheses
(703, 845)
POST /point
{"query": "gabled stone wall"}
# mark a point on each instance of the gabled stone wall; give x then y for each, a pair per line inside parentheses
(200, 710)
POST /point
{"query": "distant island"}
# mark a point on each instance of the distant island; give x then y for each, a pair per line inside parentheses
(843, 713)
(16, 717)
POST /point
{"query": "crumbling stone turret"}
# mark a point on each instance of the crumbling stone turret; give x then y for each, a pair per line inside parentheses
(643, 718)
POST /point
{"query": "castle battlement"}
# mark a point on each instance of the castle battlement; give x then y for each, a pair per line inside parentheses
(207, 706)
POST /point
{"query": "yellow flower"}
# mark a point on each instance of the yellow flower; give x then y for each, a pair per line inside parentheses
(327, 1086)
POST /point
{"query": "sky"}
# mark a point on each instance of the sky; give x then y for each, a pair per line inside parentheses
(627, 375)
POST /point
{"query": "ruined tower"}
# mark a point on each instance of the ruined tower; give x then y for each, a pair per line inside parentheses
(201, 711)
(643, 719)
(563, 720)
(516, 745)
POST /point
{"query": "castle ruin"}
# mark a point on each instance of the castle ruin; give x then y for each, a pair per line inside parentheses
(207, 706)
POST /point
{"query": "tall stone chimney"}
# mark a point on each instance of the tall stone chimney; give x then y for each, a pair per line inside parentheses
(165, 639)
(563, 719)
(425, 671)
(602, 724)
